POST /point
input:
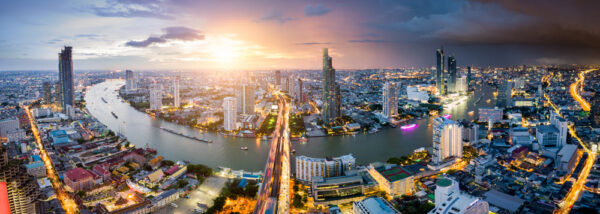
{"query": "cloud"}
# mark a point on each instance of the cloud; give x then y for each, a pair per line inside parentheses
(316, 10)
(314, 43)
(170, 33)
(367, 41)
(132, 8)
(276, 15)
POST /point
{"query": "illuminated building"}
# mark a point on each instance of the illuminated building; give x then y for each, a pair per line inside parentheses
(245, 99)
(79, 179)
(439, 77)
(307, 167)
(176, 95)
(277, 78)
(47, 92)
(469, 78)
(547, 136)
(461, 85)
(390, 99)
(22, 190)
(65, 76)
(447, 139)
(490, 114)
(229, 113)
(504, 94)
(155, 97)
(394, 180)
(373, 205)
(595, 111)
(449, 200)
(451, 74)
(563, 127)
(130, 82)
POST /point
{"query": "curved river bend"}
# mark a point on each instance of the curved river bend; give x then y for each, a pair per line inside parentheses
(142, 130)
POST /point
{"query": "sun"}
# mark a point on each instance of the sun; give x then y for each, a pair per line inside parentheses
(224, 54)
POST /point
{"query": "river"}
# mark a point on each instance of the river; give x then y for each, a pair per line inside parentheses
(141, 130)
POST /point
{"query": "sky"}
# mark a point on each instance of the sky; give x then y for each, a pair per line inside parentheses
(266, 35)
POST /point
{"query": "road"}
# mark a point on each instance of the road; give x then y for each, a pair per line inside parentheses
(578, 186)
(273, 196)
(576, 86)
(65, 199)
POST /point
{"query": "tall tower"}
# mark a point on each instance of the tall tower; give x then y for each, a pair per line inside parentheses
(247, 99)
(21, 188)
(229, 113)
(298, 91)
(47, 92)
(439, 77)
(451, 74)
(176, 96)
(447, 139)
(155, 97)
(277, 77)
(331, 94)
(130, 83)
(469, 78)
(65, 76)
(390, 99)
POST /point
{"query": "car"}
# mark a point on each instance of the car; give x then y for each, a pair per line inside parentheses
(174, 205)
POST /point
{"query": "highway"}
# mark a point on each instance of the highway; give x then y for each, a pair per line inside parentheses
(575, 88)
(65, 199)
(578, 186)
(273, 196)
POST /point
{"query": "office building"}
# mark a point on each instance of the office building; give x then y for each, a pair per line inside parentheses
(521, 136)
(130, 81)
(563, 127)
(176, 95)
(65, 76)
(47, 92)
(504, 94)
(470, 131)
(331, 91)
(449, 200)
(390, 99)
(277, 78)
(79, 179)
(246, 99)
(461, 85)
(490, 114)
(547, 136)
(451, 75)
(413, 93)
(439, 77)
(308, 167)
(328, 190)
(22, 190)
(8, 125)
(229, 113)
(155, 97)
(447, 139)
(518, 83)
(469, 78)
(299, 91)
(595, 110)
(394, 180)
(374, 205)
(566, 159)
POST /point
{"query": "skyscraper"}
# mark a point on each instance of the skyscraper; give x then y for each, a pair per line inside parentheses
(298, 91)
(331, 94)
(277, 77)
(451, 74)
(461, 85)
(155, 97)
(595, 111)
(447, 139)
(504, 94)
(439, 77)
(65, 76)
(21, 188)
(176, 96)
(449, 199)
(247, 98)
(390, 99)
(47, 92)
(563, 127)
(229, 113)
(130, 82)
(469, 78)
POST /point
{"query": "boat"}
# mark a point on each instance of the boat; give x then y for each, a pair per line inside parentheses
(103, 100)
(373, 131)
(471, 112)
(303, 139)
(187, 136)
(293, 151)
(409, 126)
(114, 115)
(447, 116)
(244, 148)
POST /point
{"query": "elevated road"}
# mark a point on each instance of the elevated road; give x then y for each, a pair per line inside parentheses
(273, 196)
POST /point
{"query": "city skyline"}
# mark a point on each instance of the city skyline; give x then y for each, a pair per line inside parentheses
(267, 35)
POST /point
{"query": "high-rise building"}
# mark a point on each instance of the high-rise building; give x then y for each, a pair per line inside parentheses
(229, 113)
(449, 200)
(504, 94)
(390, 99)
(595, 111)
(469, 78)
(246, 99)
(285, 84)
(451, 74)
(563, 127)
(155, 96)
(461, 85)
(47, 92)
(307, 167)
(439, 77)
(21, 188)
(298, 91)
(176, 95)
(130, 81)
(65, 76)
(277, 77)
(447, 139)
(331, 91)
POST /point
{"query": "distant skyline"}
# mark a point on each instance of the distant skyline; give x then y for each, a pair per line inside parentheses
(254, 35)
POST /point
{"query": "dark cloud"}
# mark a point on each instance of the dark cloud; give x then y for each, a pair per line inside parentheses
(316, 10)
(170, 33)
(314, 43)
(367, 41)
(277, 16)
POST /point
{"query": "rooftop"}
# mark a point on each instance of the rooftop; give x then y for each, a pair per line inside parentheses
(78, 174)
(395, 173)
(443, 182)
